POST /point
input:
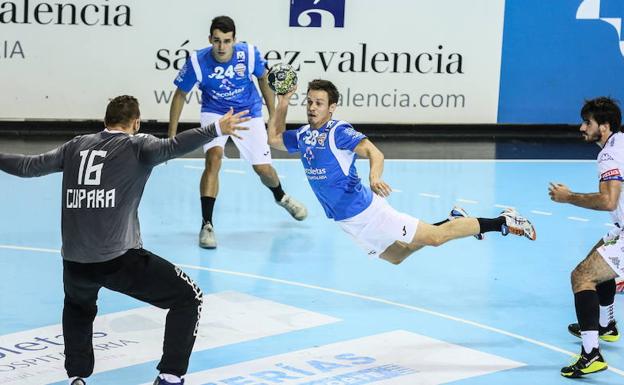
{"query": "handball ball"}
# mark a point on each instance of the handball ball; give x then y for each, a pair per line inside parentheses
(282, 78)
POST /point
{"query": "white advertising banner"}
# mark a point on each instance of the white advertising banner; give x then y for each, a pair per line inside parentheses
(394, 358)
(132, 337)
(394, 61)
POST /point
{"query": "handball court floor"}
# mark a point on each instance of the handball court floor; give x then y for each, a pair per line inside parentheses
(291, 302)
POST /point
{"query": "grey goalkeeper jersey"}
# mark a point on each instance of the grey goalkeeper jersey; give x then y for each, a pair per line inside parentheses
(104, 175)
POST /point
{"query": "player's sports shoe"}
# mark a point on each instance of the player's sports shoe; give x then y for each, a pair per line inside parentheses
(458, 212)
(162, 381)
(609, 333)
(78, 381)
(207, 238)
(294, 207)
(585, 363)
(517, 224)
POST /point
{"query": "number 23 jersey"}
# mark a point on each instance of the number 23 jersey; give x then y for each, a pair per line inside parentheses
(329, 162)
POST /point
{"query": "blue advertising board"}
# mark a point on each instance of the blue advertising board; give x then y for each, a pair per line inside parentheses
(557, 53)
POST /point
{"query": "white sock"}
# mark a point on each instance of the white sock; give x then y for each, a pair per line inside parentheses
(170, 378)
(606, 315)
(590, 340)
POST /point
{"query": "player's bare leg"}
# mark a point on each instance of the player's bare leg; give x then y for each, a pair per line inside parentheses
(607, 330)
(591, 272)
(435, 235)
(398, 252)
(208, 190)
(268, 177)
(430, 235)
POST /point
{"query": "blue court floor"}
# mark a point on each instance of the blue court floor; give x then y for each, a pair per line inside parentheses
(298, 303)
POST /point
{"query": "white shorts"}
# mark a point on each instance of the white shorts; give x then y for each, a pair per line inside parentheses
(379, 226)
(612, 252)
(254, 147)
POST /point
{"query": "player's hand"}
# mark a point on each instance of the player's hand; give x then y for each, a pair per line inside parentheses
(380, 187)
(285, 98)
(559, 192)
(230, 122)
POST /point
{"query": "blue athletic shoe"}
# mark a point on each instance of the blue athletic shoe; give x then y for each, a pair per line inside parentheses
(458, 212)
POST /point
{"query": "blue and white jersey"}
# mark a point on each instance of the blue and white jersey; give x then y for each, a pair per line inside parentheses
(225, 85)
(329, 162)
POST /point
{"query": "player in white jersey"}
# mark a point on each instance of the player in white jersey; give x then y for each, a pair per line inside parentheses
(328, 150)
(224, 74)
(593, 280)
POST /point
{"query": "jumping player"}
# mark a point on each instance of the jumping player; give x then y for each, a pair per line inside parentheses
(328, 150)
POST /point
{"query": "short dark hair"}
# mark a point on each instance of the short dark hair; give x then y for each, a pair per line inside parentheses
(121, 110)
(224, 24)
(327, 86)
(604, 110)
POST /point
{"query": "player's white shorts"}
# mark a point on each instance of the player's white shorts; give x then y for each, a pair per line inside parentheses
(379, 226)
(612, 252)
(254, 147)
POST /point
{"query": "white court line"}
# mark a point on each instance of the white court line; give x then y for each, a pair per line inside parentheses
(228, 170)
(578, 219)
(610, 225)
(488, 160)
(397, 190)
(13, 247)
(231, 171)
(428, 195)
(423, 160)
(462, 200)
(367, 298)
(541, 212)
(397, 304)
(504, 206)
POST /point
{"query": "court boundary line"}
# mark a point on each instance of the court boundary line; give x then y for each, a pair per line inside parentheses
(396, 304)
(358, 296)
(392, 160)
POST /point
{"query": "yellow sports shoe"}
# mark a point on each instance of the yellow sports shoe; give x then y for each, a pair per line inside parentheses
(609, 333)
(586, 363)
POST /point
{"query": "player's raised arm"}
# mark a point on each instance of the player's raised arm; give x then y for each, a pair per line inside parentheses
(277, 124)
(154, 151)
(267, 93)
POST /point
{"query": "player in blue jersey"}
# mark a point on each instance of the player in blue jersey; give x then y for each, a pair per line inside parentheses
(328, 151)
(224, 74)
